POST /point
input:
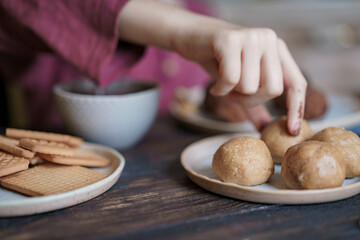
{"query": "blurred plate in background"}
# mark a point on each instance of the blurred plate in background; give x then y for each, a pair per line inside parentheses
(343, 111)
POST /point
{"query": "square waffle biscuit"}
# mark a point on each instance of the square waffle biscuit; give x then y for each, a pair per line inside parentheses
(11, 164)
(48, 178)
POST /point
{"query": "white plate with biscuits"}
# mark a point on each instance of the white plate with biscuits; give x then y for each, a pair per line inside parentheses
(196, 159)
(16, 204)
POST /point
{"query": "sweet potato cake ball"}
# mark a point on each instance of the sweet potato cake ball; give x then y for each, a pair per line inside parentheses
(244, 161)
(348, 143)
(278, 139)
(313, 165)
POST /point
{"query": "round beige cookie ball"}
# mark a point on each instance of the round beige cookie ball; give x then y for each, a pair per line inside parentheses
(278, 139)
(243, 160)
(313, 165)
(348, 143)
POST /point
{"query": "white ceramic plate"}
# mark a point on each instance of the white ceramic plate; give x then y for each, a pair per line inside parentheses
(343, 111)
(14, 204)
(196, 160)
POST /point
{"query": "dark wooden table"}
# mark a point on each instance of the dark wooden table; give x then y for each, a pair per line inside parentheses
(154, 199)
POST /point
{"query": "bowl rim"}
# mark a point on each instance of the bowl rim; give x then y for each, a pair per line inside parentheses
(58, 89)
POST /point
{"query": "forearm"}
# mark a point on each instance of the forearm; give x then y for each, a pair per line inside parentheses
(151, 22)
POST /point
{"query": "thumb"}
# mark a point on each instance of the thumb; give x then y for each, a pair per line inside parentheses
(259, 116)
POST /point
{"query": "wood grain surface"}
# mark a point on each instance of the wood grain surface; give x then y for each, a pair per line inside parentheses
(154, 199)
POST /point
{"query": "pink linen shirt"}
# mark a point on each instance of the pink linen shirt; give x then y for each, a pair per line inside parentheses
(44, 42)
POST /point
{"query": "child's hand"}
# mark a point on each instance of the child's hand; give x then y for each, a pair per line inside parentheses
(251, 64)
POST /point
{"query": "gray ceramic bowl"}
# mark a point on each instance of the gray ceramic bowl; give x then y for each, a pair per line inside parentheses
(119, 116)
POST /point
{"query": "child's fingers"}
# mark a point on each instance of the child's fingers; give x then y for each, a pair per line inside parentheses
(261, 78)
(258, 68)
(295, 84)
(227, 51)
(250, 73)
(271, 82)
(273, 76)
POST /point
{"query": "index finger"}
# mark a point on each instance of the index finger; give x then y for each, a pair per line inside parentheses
(295, 85)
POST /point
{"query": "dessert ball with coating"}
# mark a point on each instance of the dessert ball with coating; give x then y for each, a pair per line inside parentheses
(243, 160)
(313, 165)
(278, 139)
(315, 103)
(348, 143)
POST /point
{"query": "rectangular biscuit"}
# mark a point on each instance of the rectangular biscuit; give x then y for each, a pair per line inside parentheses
(11, 146)
(11, 164)
(80, 157)
(55, 137)
(48, 147)
(9, 140)
(48, 178)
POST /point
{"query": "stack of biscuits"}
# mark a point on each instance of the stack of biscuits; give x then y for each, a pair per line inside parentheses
(40, 163)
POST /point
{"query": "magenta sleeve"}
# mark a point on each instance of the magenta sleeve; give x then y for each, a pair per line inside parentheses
(84, 33)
